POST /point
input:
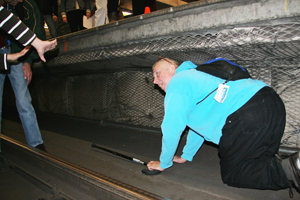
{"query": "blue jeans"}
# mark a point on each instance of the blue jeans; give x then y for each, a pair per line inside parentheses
(23, 102)
(51, 25)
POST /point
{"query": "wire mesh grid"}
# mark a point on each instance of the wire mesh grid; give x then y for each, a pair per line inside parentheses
(115, 83)
(263, 44)
(126, 97)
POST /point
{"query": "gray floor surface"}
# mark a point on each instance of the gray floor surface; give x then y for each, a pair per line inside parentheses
(71, 139)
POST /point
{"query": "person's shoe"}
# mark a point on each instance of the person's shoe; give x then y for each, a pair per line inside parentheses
(41, 147)
(291, 167)
(112, 17)
(295, 163)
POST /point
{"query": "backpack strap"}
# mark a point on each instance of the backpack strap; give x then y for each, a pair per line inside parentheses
(225, 70)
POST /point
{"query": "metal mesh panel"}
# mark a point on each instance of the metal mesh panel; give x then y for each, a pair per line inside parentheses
(274, 45)
(286, 83)
(127, 97)
(109, 86)
(50, 94)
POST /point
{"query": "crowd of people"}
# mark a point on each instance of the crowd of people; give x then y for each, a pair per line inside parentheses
(96, 12)
(73, 12)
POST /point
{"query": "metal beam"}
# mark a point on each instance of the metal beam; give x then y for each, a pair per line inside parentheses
(202, 16)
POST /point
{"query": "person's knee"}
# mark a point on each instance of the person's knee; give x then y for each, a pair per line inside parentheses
(225, 177)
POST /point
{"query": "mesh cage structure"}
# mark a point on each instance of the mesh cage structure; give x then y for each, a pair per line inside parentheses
(115, 83)
(123, 97)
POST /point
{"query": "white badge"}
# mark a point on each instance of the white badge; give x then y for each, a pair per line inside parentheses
(221, 93)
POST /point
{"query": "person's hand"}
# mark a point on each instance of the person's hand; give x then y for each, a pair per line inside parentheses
(92, 13)
(54, 18)
(43, 46)
(154, 165)
(65, 20)
(88, 15)
(15, 56)
(179, 159)
(27, 72)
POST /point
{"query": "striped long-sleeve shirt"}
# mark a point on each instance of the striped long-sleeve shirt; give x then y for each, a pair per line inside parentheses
(12, 25)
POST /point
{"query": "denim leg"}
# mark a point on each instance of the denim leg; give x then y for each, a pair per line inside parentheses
(250, 139)
(112, 6)
(2, 78)
(24, 106)
(138, 7)
(72, 20)
(51, 25)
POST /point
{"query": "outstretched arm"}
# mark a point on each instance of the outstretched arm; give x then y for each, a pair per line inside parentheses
(15, 56)
(5, 58)
(12, 25)
(193, 143)
(15, 27)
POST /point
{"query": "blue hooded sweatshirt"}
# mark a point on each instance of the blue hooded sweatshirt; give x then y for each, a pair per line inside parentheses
(186, 88)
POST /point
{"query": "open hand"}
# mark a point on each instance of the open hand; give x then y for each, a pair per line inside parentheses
(27, 72)
(15, 56)
(43, 46)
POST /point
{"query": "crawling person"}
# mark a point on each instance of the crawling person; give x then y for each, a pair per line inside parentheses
(247, 121)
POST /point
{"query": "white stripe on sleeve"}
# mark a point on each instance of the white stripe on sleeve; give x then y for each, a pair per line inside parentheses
(6, 19)
(29, 41)
(14, 27)
(5, 63)
(23, 33)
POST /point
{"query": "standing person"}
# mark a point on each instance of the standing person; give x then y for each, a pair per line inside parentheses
(248, 125)
(101, 13)
(49, 10)
(72, 12)
(112, 9)
(10, 23)
(138, 7)
(39, 5)
(21, 74)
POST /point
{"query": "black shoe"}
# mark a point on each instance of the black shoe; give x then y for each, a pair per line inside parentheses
(295, 166)
(112, 17)
(291, 167)
(41, 147)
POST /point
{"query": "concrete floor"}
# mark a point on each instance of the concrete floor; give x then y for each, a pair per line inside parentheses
(16, 185)
(71, 139)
